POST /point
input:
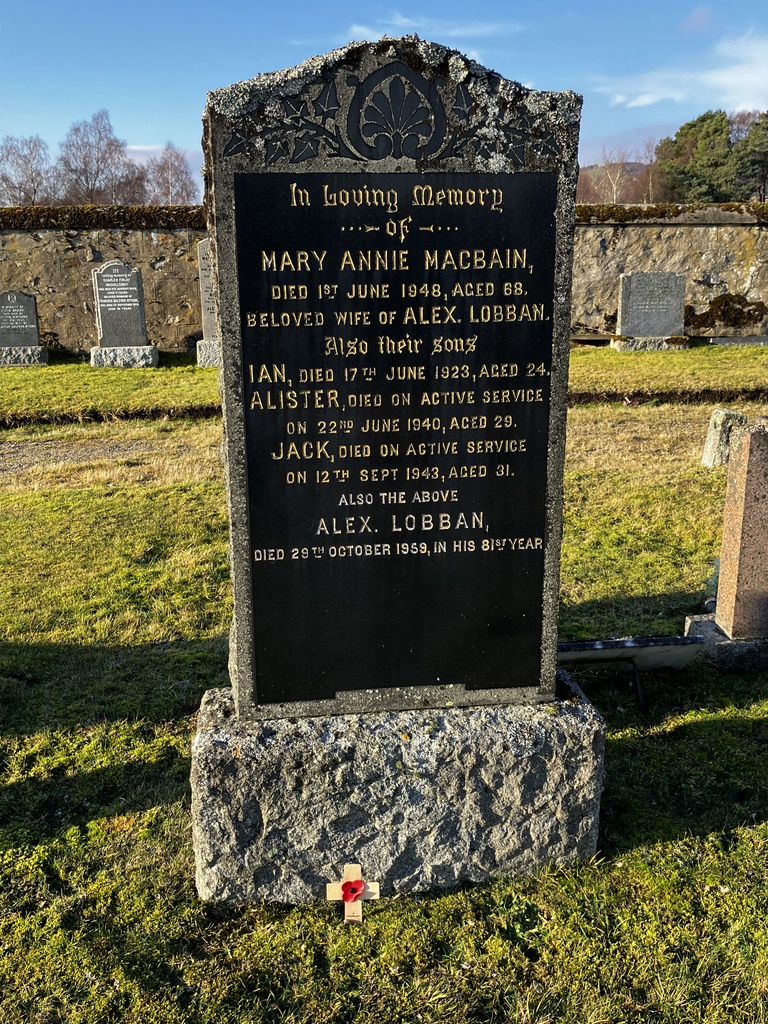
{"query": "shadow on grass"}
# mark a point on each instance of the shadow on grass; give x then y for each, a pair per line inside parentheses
(695, 763)
(108, 730)
(64, 687)
(650, 615)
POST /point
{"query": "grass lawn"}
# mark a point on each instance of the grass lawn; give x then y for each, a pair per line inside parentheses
(114, 611)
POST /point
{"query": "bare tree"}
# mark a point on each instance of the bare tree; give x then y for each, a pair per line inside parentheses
(169, 179)
(740, 122)
(647, 175)
(25, 174)
(93, 166)
(614, 175)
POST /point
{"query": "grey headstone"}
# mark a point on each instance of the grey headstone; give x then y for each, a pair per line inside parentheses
(651, 305)
(393, 229)
(390, 165)
(718, 443)
(207, 293)
(119, 306)
(209, 348)
(18, 320)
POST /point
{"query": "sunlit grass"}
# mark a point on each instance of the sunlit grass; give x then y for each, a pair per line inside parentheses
(114, 610)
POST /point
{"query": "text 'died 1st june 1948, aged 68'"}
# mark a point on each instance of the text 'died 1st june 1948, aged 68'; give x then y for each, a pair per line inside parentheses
(397, 346)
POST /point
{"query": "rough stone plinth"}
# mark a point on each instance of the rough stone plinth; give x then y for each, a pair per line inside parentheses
(728, 655)
(742, 593)
(649, 344)
(18, 355)
(422, 799)
(208, 353)
(126, 356)
(717, 447)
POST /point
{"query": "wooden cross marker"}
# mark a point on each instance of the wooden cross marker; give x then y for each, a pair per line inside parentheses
(353, 890)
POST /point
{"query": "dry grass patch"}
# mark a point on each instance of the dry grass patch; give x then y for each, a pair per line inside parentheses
(117, 453)
(642, 440)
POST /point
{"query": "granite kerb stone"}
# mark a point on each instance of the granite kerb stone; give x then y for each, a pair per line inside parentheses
(421, 799)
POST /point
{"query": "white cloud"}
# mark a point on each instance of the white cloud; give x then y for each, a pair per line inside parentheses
(733, 77)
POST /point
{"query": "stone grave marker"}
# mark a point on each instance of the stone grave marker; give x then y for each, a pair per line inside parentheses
(208, 349)
(393, 229)
(122, 331)
(742, 591)
(736, 634)
(650, 311)
(718, 442)
(19, 334)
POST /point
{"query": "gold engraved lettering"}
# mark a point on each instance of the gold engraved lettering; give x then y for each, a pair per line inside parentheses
(363, 196)
(374, 259)
(448, 398)
(507, 313)
(474, 259)
(497, 370)
(345, 525)
(299, 196)
(430, 315)
(516, 395)
(300, 259)
(511, 444)
(438, 521)
(310, 398)
(430, 448)
(369, 291)
(305, 450)
(426, 195)
(292, 319)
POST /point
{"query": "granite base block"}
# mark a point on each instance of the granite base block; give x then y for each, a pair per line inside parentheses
(23, 355)
(649, 344)
(208, 353)
(422, 800)
(728, 655)
(142, 356)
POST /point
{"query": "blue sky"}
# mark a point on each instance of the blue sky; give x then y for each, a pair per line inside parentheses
(643, 69)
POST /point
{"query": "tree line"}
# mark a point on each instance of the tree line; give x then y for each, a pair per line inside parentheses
(92, 169)
(716, 158)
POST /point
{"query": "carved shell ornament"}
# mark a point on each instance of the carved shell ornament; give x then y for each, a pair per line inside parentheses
(394, 113)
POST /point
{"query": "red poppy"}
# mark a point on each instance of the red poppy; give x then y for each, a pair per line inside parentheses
(351, 891)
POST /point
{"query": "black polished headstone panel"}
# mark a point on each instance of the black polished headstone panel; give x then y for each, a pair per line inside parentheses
(18, 320)
(119, 305)
(391, 236)
(397, 338)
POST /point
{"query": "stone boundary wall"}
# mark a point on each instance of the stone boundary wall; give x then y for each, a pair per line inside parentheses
(721, 250)
(56, 265)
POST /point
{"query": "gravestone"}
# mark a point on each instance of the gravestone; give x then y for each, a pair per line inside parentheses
(19, 334)
(120, 320)
(742, 592)
(651, 311)
(208, 349)
(718, 443)
(393, 229)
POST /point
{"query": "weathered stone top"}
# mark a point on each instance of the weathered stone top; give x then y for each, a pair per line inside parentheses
(405, 104)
